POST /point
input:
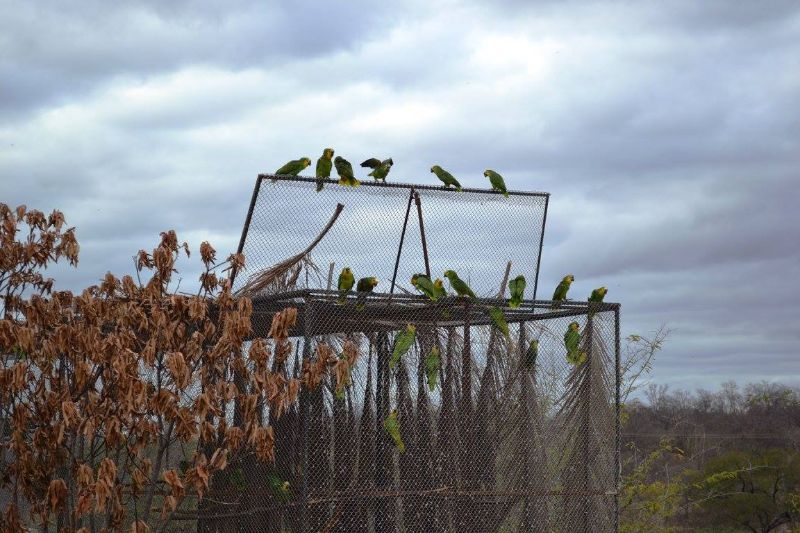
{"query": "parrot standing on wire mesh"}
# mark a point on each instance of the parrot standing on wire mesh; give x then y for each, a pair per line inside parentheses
(345, 284)
(402, 343)
(445, 177)
(279, 488)
(345, 171)
(499, 321)
(498, 184)
(438, 289)
(432, 363)
(293, 167)
(531, 354)
(423, 284)
(324, 166)
(364, 286)
(380, 169)
(392, 427)
(560, 294)
(597, 296)
(517, 288)
(572, 341)
(458, 284)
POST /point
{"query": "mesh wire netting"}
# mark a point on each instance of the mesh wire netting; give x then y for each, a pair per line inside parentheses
(474, 232)
(495, 436)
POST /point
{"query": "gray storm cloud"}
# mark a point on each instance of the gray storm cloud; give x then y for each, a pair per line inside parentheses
(667, 133)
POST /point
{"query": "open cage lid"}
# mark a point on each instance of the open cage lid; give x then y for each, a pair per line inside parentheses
(475, 232)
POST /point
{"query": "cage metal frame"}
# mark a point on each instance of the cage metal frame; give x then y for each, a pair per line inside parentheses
(264, 305)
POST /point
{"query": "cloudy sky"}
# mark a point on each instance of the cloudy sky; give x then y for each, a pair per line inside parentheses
(667, 132)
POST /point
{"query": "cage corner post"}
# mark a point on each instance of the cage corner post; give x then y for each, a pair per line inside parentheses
(305, 415)
(617, 426)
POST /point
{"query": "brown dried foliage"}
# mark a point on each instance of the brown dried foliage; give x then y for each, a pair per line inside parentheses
(98, 388)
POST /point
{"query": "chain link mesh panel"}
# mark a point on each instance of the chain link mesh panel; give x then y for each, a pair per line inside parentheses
(488, 436)
(474, 232)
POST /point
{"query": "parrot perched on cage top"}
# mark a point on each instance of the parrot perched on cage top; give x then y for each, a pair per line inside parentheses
(280, 489)
(458, 284)
(560, 294)
(596, 296)
(531, 354)
(392, 427)
(498, 184)
(402, 343)
(438, 289)
(517, 288)
(572, 341)
(324, 166)
(445, 177)
(432, 363)
(499, 321)
(293, 167)
(345, 284)
(345, 171)
(423, 284)
(364, 286)
(380, 169)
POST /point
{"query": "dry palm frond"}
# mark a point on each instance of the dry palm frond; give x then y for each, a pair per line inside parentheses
(285, 274)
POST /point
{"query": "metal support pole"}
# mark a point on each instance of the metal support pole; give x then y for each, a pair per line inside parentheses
(541, 244)
(422, 235)
(305, 409)
(618, 434)
(402, 238)
(247, 221)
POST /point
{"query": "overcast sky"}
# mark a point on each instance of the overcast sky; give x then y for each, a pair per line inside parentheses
(667, 132)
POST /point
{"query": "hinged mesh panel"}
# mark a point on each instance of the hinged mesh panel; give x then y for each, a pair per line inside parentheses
(474, 232)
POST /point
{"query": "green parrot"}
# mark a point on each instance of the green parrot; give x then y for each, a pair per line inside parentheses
(458, 284)
(497, 181)
(517, 288)
(531, 354)
(345, 171)
(293, 167)
(423, 284)
(438, 289)
(365, 286)
(392, 427)
(432, 363)
(380, 169)
(560, 294)
(402, 343)
(499, 321)
(324, 166)
(445, 177)
(280, 489)
(345, 284)
(572, 341)
(597, 296)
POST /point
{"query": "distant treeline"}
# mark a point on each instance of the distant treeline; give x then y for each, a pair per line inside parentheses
(725, 460)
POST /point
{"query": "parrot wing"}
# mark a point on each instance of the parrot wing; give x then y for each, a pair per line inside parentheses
(372, 162)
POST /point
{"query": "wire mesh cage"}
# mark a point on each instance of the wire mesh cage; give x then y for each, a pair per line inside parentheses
(379, 231)
(473, 428)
